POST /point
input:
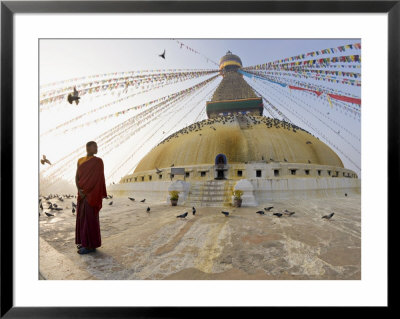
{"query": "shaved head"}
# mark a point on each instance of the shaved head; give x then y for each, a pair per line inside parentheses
(88, 144)
(91, 147)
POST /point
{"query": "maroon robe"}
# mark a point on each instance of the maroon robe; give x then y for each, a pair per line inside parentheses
(92, 182)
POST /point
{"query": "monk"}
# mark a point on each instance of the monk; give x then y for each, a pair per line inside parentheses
(91, 186)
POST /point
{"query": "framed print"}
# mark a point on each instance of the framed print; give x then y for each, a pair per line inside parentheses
(165, 157)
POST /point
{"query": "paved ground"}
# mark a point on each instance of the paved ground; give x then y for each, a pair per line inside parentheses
(137, 245)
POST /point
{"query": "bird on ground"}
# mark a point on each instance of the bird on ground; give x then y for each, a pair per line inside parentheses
(268, 208)
(61, 199)
(308, 142)
(183, 215)
(260, 212)
(328, 216)
(309, 161)
(73, 210)
(73, 97)
(50, 206)
(132, 199)
(55, 205)
(277, 214)
(143, 200)
(345, 194)
(110, 203)
(48, 214)
(193, 210)
(45, 160)
(162, 55)
(111, 196)
(287, 213)
(56, 208)
(73, 204)
(285, 159)
(172, 165)
(225, 213)
(41, 206)
(148, 209)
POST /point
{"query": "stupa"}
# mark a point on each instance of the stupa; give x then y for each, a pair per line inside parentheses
(237, 147)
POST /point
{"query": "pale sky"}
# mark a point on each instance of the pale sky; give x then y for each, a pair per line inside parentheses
(62, 59)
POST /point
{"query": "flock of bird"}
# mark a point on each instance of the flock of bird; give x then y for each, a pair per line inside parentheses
(54, 207)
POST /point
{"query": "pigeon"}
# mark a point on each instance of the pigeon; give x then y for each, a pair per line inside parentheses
(268, 208)
(50, 206)
(287, 213)
(49, 215)
(182, 216)
(328, 216)
(260, 212)
(55, 205)
(143, 200)
(277, 214)
(132, 199)
(73, 210)
(45, 160)
(61, 199)
(148, 209)
(73, 97)
(162, 55)
(193, 210)
(110, 203)
(225, 213)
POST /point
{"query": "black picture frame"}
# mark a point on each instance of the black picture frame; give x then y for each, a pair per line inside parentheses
(9, 8)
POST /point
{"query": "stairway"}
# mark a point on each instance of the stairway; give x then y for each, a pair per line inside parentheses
(215, 193)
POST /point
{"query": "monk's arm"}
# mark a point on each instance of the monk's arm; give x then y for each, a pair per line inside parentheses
(76, 182)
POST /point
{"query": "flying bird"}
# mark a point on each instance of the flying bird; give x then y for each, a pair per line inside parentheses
(260, 212)
(73, 97)
(158, 171)
(225, 213)
(162, 55)
(143, 200)
(268, 208)
(182, 216)
(328, 216)
(45, 160)
(277, 214)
